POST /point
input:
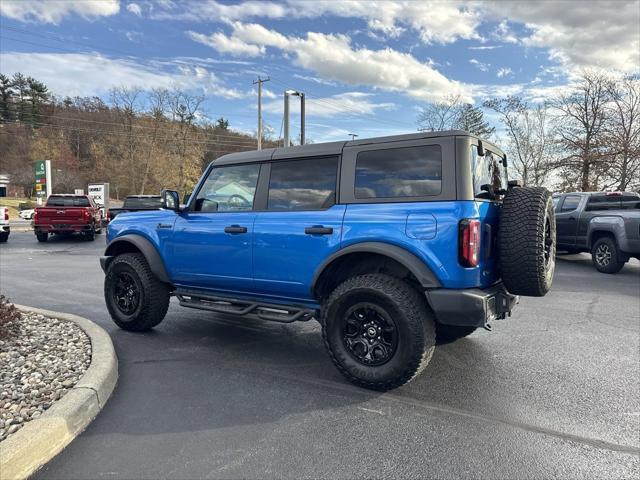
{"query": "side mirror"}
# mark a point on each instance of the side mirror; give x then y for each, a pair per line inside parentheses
(170, 200)
(480, 149)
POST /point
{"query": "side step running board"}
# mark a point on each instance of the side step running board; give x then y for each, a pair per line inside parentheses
(233, 306)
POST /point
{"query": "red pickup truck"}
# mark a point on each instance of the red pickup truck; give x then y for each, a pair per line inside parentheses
(66, 214)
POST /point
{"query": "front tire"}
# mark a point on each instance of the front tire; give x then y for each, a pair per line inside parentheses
(135, 298)
(378, 331)
(605, 256)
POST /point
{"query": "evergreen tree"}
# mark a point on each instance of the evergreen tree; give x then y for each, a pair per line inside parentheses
(471, 119)
(6, 93)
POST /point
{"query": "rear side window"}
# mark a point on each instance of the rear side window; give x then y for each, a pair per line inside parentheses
(68, 202)
(399, 172)
(303, 184)
(624, 201)
(570, 203)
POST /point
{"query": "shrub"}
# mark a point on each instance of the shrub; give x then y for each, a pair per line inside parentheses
(9, 315)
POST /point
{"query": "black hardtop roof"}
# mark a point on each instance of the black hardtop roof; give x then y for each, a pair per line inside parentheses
(334, 148)
(67, 195)
(143, 196)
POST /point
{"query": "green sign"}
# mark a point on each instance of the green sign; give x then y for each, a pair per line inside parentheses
(40, 172)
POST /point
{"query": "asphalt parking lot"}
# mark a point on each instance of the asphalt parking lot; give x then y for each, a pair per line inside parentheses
(552, 392)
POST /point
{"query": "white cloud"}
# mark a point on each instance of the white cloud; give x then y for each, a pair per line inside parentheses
(504, 72)
(479, 65)
(223, 44)
(357, 103)
(485, 47)
(434, 21)
(334, 58)
(87, 74)
(135, 9)
(46, 11)
(134, 37)
(581, 34)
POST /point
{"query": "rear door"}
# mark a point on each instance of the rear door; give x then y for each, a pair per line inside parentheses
(300, 226)
(212, 239)
(567, 218)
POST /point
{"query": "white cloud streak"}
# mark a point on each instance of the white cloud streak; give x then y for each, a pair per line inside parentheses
(44, 11)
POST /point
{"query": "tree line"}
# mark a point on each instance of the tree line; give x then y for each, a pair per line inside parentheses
(586, 138)
(138, 141)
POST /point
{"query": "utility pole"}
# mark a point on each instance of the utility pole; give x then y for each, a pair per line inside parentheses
(353, 135)
(260, 81)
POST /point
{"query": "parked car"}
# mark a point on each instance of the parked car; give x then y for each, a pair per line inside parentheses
(391, 243)
(606, 224)
(67, 214)
(27, 214)
(136, 203)
(5, 227)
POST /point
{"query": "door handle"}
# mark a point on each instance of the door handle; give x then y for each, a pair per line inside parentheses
(235, 229)
(318, 230)
(164, 225)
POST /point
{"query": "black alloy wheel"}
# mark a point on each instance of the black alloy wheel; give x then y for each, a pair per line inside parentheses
(369, 334)
(126, 293)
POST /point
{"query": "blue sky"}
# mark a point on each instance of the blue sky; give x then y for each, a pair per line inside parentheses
(365, 67)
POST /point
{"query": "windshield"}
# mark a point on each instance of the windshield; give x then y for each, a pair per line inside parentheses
(487, 170)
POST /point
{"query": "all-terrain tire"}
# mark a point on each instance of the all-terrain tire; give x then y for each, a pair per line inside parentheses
(527, 241)
(450, 333)
(153, 301)
(42, 237)
(4, 237)
(414, 325)
(605, 256)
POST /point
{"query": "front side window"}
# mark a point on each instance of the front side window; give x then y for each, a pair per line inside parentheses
(487, 170)
(399, 172)
(228, 189)
(303, 184)
(570, 203)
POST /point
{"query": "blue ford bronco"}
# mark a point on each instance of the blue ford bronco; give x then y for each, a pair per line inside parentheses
(391, 243)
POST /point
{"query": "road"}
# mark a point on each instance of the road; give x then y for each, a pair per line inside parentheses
(552, 392)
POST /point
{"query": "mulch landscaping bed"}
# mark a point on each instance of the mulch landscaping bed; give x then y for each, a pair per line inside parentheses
(41, 358)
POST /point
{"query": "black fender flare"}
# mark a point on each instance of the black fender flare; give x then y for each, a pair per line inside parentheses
(156, 264)
(417, 267)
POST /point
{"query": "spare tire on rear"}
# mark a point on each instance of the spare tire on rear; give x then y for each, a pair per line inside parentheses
(527, 241)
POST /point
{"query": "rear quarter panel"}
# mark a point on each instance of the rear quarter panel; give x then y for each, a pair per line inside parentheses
(429, 230)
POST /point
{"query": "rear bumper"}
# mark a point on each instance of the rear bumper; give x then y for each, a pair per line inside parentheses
(473, 307)
(62, 228)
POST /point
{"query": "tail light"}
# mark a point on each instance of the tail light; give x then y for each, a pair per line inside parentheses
(469, 242)
(86, 214)
(108, 215)
(6, 214)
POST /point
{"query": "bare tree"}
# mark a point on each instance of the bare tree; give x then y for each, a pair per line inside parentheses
(440, 115)
(531, 145)
(185, 109)
(582, 128)
(623, 133)
(127, 104)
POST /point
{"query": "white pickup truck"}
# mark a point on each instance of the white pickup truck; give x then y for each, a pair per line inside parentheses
(5, 229)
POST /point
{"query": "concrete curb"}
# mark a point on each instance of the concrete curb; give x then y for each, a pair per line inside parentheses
(41, 439)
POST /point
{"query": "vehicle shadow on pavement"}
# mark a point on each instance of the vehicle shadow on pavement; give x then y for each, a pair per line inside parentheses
(246, 372)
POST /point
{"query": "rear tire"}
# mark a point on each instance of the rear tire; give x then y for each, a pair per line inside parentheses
(450, 333)
(4, 237)
(527, 241)
(605, 256)
(135, 298)
(42, 237)
(378, 330)
(90, 236)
